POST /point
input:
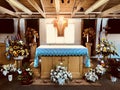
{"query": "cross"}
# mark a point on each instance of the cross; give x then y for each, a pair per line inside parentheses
(60, 23)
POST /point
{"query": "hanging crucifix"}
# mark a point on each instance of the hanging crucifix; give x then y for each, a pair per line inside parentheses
(60, 23)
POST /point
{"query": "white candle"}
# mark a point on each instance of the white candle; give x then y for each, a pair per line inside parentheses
(87, 37)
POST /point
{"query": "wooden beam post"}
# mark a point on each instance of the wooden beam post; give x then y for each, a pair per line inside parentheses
(4, 10)
(111, 10)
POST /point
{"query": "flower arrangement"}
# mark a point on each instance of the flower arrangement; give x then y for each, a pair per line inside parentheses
(91, 76)
(106, 48)
(7, 69)
(60, 75)
(89, 33)
(100, 70)
(114, 67)
(16, 48)
(94, 74)
(25, 75)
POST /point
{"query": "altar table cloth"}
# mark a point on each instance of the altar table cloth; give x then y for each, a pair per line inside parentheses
(61, 50)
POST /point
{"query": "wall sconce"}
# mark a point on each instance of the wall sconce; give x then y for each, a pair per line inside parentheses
(60, 23)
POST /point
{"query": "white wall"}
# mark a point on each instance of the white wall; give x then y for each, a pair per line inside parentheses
(75, 24)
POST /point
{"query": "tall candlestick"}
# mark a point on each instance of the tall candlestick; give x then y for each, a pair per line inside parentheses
(87, 37)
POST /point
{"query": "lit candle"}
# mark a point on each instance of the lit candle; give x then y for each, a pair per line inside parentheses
(87, 37)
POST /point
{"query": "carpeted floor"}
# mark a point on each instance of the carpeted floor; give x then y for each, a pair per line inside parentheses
(103, 84)
(38, 84)
(72, 83)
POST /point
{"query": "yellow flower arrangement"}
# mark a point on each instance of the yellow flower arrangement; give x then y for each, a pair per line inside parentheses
(106, 48)
(17, 48)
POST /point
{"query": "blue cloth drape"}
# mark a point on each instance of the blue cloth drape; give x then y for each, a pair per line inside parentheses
(61, 52)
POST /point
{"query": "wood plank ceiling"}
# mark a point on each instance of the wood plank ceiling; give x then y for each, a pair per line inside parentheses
(53, 8)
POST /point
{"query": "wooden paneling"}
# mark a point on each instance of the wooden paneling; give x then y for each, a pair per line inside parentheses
(2, 52)
(73, 63)
(46, 66)
(3, 59)
(76, 66)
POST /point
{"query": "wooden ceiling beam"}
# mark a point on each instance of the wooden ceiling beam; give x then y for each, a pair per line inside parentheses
(20, 6)
(111, 10)
(36, 6)
(42, 5)
(57, 6)
(84, 16)
(55, 16)
(95, 6)
(75, 10)
(13, 6)
(7, 11)
(31, 16)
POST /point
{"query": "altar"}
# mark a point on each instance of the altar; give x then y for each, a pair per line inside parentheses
(72, 56)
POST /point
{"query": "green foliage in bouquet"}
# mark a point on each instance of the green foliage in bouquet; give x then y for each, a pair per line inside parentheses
(106, 48)
(17, 48)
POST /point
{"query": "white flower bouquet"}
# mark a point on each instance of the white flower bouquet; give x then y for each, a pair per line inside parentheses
(7, 69)
(91, 76)
(60, 75)
(100, 70)
(95, 74)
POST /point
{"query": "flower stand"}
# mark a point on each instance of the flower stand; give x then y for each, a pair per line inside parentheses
(18, 61)
(88, 45)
